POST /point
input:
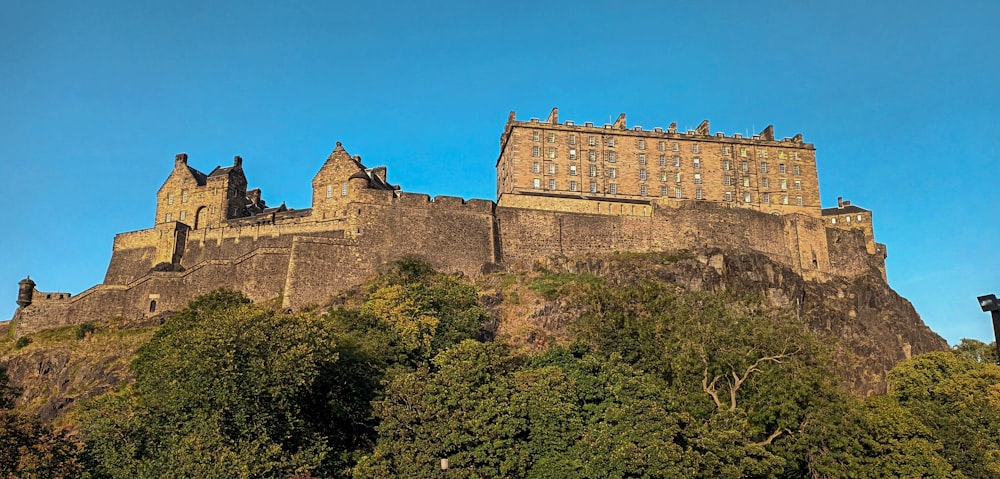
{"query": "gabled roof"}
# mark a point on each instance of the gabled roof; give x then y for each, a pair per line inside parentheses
(843, 210)
(220, 171)
(198, 176)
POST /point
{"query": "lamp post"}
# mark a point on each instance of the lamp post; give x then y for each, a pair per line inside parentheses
(990, 303)
(444, 467)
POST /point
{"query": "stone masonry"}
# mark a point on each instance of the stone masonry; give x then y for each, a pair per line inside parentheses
(210, 231)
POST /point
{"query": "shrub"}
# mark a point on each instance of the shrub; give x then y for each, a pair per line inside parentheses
(22, 342)
(83, 329)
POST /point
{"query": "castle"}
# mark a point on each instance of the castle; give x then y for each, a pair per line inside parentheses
(562, 189)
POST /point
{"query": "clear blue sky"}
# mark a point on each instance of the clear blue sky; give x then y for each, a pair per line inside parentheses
(900, 99)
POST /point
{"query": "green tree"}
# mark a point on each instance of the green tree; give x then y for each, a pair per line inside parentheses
(976, 350)
(223, 389)
(958, 400)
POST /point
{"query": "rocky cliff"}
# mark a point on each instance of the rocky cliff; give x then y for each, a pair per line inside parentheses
(873, 328)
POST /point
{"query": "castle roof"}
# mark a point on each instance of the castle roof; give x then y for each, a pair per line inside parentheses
(840, 210)
(200, 177)
(219, 171)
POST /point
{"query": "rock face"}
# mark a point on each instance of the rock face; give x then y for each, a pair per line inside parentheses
(875, 327)
(57, 371)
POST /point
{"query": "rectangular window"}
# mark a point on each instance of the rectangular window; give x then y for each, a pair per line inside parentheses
(343, 189)
(612, 188)
(677, 177)
(592, 140)
(697, 194)
(184, 196)
(663, 191)
(766, 198)
(677, 162)
(675, 146)
(642, 158)
(536, 167)
(677, 192)
(745, 166)
(663, 160)
(746, 181)
(663, 176)
(552, 152)
(727, 150)
(727, 180)
(784, 199)
(729, 196)
(696, 162)
(552, 168)
(746, 197)
(536, 152)
(552, 137)
(535, 135)
(572, 170)
(611, 156)
(329, 191)
(611, 141)
(642, 144)
(642, 175)
(798, 200)
(170, 199)
(796, 170)
(797, 184)
(572, 138)
(761, 153)
(763, 167)
(743, 152)
(697, 178)
(591, 155)
(572, 186)
(536, 183)
(169, 218)
(781, 168)
(662, 146)
(643, 191)
(593, 187)
(695, 148)
(725, 165)
(183, 215)
(784, 184)
(796, 155)
(593, 171)
(765, 183)
(613, 172)
(572, 154)
(552, 184)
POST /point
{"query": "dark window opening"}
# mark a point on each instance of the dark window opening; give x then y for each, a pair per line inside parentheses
(152, 306)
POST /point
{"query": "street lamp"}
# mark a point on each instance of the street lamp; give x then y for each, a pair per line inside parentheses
(990, 303)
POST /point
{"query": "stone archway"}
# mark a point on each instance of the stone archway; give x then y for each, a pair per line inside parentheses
(201, 218)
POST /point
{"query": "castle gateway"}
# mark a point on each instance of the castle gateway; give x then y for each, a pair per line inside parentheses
(562, 189)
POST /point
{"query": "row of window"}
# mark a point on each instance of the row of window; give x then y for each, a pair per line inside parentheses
(643, 176)
(611, 157)
(677, 190)
(660, 145)
(185, 196)
(343, 190)
(847, 219)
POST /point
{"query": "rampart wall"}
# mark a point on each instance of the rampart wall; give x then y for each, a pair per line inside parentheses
(304, 260)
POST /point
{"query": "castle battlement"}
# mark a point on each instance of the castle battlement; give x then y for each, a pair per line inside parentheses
(562, 189)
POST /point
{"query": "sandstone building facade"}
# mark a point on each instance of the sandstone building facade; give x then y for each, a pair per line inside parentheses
(562, 189)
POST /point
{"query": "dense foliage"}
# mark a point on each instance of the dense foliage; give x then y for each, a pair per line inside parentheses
(658, 383)
(30, 449)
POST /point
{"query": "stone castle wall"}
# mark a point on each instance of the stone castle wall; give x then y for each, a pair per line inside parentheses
(211, 232)
(305, 262)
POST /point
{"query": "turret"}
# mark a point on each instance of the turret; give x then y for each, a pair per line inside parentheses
(24, 292)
